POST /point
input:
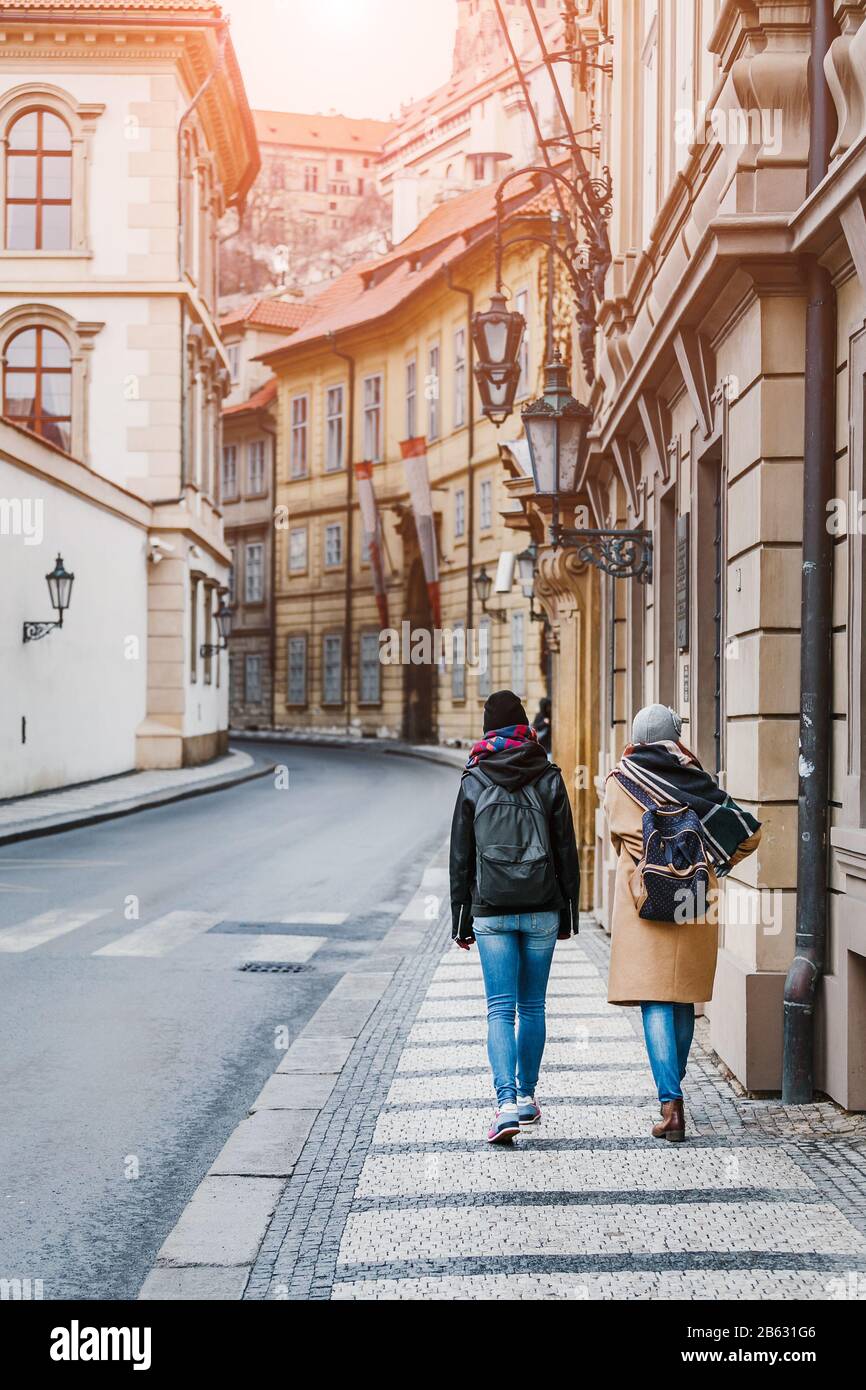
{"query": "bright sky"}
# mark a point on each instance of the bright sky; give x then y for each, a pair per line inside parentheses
(361, 57)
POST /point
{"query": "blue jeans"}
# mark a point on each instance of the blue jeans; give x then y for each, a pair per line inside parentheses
(668, 1031)
(516, 953)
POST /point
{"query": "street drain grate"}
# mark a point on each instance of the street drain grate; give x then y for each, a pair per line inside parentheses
(273, 967)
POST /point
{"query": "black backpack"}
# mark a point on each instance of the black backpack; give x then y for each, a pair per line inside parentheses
(513, 857)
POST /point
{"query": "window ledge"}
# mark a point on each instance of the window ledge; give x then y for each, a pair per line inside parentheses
(9, 255)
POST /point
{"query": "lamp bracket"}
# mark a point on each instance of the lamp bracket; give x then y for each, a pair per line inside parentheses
(623, 554)
(33, 631)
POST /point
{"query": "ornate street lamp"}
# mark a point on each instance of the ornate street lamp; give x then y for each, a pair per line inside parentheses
(496, 336)
(224, 624)
(59, 583)
(526, 568)
(483, 587)
(556, 427)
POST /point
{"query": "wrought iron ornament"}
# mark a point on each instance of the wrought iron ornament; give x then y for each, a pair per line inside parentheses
(621, 554)
(33, 631)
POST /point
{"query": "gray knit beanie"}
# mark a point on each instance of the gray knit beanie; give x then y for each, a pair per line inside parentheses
(656, 724)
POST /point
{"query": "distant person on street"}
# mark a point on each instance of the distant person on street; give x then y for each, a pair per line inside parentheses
(542, 725)
(514, 889)
(667, 963)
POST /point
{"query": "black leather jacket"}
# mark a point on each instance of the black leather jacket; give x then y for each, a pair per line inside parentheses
(512, 768)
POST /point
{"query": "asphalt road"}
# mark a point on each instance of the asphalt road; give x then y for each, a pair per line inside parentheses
(123, 1073)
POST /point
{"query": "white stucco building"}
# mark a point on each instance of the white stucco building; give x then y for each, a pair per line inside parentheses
(123, 137)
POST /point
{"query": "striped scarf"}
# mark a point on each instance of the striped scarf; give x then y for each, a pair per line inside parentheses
(495, 740)
(668, 772)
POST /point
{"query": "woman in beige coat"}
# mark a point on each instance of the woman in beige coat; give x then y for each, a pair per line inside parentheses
(667, 967)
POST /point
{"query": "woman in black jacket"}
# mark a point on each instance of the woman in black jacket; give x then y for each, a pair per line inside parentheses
(515, 884)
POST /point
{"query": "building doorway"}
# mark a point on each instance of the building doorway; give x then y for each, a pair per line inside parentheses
(418, 679)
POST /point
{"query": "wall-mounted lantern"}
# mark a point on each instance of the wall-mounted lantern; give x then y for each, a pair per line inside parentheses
(224, 624)
(483, 587)
(59, 583)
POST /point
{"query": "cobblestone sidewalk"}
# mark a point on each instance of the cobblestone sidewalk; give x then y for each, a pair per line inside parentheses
(396, 1196)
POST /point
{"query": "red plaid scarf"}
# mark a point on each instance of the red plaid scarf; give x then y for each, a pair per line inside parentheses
(510, 736)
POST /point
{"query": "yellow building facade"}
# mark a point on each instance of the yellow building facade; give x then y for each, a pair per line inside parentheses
(387, 357)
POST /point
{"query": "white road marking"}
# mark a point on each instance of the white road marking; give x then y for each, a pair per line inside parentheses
(25, 936)
(162, 935)
(283, 948)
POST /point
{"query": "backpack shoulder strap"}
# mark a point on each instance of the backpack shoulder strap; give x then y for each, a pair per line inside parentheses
(635, 791)
(475, 771)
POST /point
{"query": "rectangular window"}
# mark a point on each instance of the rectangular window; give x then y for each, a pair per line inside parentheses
(432, 393)
(252, 679)
(650, 124)
(373, 418)
(521, 304)
(230, 470)
(296, 692)
(460, 512)
(371, 669)
(485, 658)
(193, 628)
(411, 398)
(311, 178)
(459, 377)
(334, 429)
(254, 572)
(298, 445)
(256, 466)
(333, 544)
(233, 352)
(208, 629)
(458, 668)
(518, 652)
(231, 585)
(332, 668)
(486, 508)
(297, 549)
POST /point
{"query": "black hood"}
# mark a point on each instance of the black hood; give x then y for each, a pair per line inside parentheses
(514, 767)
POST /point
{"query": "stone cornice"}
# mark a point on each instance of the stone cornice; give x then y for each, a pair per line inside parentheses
(188, 43)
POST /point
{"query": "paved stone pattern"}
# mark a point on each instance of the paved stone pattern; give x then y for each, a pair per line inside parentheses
(396, 1195)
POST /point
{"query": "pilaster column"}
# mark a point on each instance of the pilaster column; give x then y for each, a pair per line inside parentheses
(568, 593)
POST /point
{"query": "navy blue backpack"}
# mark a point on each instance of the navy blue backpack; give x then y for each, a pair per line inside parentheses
(674, 868)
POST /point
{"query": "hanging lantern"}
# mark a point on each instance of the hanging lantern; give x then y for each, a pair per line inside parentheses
(556, 428)
(496, 335)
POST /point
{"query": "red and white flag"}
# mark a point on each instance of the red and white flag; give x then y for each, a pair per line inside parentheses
(372, 536)
(414, 453)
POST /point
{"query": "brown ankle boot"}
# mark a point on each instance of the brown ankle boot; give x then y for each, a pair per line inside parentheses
(673, 1123)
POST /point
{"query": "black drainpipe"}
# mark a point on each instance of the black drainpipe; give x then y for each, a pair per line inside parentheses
(350, 514)
(801, 985)
(272, 568)
(470, 445)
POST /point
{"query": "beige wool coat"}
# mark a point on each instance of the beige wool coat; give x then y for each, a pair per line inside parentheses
(669, 961)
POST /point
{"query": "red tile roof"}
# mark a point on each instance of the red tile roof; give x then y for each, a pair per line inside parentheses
(321, 132)
(257, 401)
(369, 292)
(270, 313)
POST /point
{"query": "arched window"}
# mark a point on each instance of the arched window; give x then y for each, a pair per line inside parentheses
(37, 384)
(38, 183)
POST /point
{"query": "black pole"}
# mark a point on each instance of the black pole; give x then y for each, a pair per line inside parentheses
(470, 443)
(801, 984)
